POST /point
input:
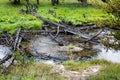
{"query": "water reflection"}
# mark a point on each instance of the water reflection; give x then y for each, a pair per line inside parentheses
(107, 54)
(3, 51)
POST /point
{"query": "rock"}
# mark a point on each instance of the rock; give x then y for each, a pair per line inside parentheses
(49, 63)
(74, 75)
(58, 69)
(92, 70)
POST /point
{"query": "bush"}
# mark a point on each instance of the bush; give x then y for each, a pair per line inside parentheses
(112, 7)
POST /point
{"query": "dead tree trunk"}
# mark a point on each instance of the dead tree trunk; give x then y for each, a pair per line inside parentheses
(55, 2)
(16, 2)
(38, 2)
(27, 1)
(84, 2)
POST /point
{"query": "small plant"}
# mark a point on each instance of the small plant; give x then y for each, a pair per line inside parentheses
(22, 58)
(71, 46)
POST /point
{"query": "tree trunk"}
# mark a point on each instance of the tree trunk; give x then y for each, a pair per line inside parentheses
(38, 2)
(84, 2)
(27, 1)
(53, 2)
(57, 2)
(16, 2)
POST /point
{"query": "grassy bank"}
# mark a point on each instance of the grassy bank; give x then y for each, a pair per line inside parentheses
(109, 71)
(69, 11)
(30, 72)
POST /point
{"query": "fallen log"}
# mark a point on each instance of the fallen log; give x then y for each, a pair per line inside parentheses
(17, 40)
(66, 29)
(39, 31)
(31, 10)
(63, 27)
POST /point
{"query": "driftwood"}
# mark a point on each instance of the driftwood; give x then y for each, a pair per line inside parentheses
(39, 31)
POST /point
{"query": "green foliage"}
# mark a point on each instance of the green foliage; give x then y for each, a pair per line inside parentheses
(109, 71)
(116, 35)
(22, 58)
(75, 66)
(70, 11)
(113, 8)
(80, 66)
(11, 19)
(36, 71)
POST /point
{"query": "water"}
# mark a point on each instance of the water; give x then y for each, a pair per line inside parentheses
(4, 51)
(45, 46)
(107, 54)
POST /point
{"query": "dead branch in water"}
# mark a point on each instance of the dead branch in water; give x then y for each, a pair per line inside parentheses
(97, 34)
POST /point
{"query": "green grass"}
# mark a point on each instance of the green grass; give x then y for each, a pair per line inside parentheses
(30, 72)
(69, 11)
(109, 71)
(80, 66)
(39, 71)
(11, 19)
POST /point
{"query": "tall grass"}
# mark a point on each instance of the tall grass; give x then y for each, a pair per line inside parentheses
(37, 71)
(40, 71)
(109, 71)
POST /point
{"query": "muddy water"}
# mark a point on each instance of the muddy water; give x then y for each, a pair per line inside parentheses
(46, 49)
